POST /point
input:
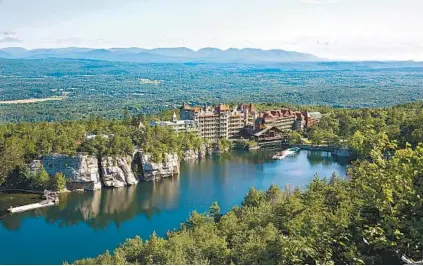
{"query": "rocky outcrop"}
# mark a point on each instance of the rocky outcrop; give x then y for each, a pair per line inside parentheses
(195, 154)
(117, 172)
(85, 172)
(190, 155)
(81, 170)
(156, 170)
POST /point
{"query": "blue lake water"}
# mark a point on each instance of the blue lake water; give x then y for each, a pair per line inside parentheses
(86, 224)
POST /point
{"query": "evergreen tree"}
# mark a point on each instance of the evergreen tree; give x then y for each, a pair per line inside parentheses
(41, 179)
(58, 182)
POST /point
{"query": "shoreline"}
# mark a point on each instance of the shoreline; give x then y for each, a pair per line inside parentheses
(320, 148)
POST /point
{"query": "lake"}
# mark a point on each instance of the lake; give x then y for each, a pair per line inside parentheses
(85, 224)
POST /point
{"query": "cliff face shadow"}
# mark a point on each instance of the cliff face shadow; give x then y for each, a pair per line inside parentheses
(100, 208)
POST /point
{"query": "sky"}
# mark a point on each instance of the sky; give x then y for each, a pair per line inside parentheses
(332, 29)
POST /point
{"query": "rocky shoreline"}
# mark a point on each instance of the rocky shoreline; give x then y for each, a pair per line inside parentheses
(86, 172)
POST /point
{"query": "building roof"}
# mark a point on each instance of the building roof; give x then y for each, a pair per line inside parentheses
(278, 113)
(246, 106)
(141, 125)
(186, 106)
(299, 115)
(261, 132)
(273, 115)
(316, 115)
(222, 107)
(92, 136)
(172, 123)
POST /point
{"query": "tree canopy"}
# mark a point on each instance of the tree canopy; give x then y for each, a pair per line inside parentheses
(369, 218)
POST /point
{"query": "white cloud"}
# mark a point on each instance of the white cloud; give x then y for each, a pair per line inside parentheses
(9, 37)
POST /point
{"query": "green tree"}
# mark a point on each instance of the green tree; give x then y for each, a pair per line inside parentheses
(41, 179)
(11, 156)
(317, 136)
(58, 182)
(254, 198)
(356, 143)
(223, 144)
(295, 137)
(214, 211)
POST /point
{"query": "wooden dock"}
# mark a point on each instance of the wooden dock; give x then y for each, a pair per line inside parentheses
(31, 207)
(52, 198)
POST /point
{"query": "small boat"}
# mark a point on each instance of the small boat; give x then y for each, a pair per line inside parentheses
(294, 149)
(278, 157)
(281, 155)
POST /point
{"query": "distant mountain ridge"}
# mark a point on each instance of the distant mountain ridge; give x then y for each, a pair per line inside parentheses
(170, 55)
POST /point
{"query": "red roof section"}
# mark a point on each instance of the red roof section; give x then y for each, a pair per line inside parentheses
(273, 115)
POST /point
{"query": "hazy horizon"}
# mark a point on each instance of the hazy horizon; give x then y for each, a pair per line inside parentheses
(320, 59)
(331, 29)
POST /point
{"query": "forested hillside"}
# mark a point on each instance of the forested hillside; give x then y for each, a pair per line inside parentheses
(20, 143)
(373, 217)
(358, 129)
(104, 88)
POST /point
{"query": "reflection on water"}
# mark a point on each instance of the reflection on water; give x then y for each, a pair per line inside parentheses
(325, 158)
(99, 208)
(85, 224)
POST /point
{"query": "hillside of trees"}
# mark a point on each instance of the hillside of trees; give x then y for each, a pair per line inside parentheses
(372, 217)
(105, 88)
(22, 142)
(358, 129)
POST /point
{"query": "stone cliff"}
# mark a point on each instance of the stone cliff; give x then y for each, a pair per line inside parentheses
(195, 154)
(89, 173)
(117, 172)
(81, 170)
(156, 170)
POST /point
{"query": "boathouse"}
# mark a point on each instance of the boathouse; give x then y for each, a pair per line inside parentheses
(270, 134)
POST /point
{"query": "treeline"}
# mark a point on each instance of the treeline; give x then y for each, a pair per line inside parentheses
(21, 143)
(359, 129)
(22, 178)
(372, 217)
(158, 141)
(103, 88)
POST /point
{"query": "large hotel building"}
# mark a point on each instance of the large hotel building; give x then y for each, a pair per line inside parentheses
(214, 123)
(221, 121)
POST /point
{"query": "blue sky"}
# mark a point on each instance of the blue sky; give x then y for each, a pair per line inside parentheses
(335, 29)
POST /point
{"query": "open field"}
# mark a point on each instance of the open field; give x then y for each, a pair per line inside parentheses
(31, 100)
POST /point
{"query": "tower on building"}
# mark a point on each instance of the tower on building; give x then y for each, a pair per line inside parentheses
(174, 117)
